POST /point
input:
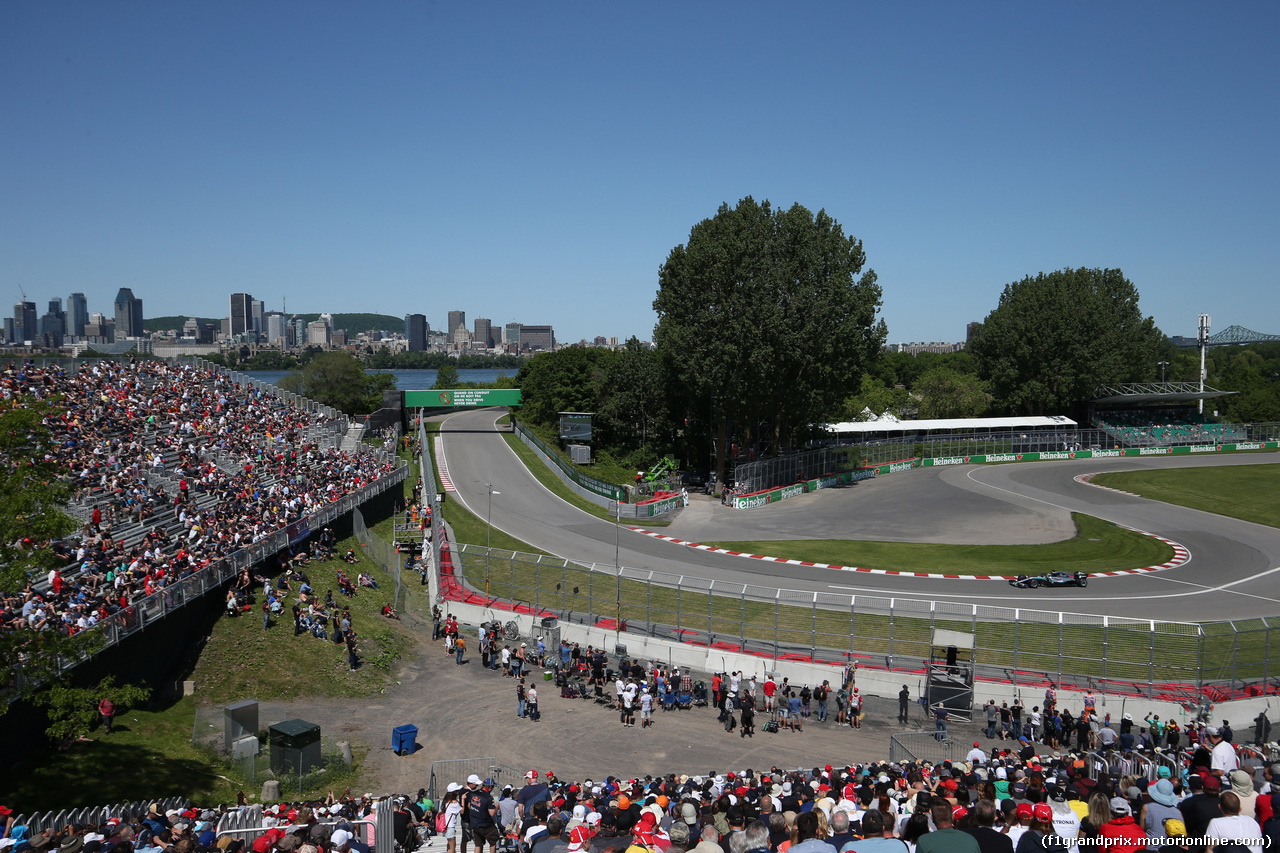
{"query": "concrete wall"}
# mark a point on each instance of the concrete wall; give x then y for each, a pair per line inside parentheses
(871, 682)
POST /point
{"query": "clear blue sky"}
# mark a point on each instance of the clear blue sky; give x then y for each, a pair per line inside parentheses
(538, 161)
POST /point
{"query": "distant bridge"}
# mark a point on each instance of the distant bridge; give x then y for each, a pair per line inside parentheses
(1239, 335)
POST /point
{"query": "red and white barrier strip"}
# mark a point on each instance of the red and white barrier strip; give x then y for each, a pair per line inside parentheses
(1181, 556)
(442, 466)
(1087, 480)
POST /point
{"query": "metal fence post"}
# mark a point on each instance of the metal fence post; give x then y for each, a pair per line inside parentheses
(853, 609)
(1016, 621)
(1106, 639)
(742, 621)
(1266, 653)
(648, 603)
(564, 581)
(679, 583)
(777, 606)
(1151, 659)
(1061, 619)
(710, 598)
(512, 596)
(891, 633)
(813, 638)
(1235, 650)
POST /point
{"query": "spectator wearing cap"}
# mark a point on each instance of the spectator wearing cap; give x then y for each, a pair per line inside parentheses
(1203, 805)
(736, 821)
(946, 838)
(1233, 826)
(452, 806)
(1066, 823)
(983, 829)
(1018, 822)
(532, 792)
(1039, 835)
(481, 812)
(1122, 832)
(1222, 752)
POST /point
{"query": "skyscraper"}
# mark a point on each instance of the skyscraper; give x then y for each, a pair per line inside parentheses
(415, 332)
(511, 335)
(77, 314)
(241, 313)
(484, 333)
(257, 309)
(24, 322)
(534, 338)
(128, 314)
(456, 319)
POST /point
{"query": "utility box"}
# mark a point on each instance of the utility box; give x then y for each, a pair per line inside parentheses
(240, 720)
(295, 747)
(580, 454)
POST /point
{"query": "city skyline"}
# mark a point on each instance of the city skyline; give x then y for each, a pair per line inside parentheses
(554, 156)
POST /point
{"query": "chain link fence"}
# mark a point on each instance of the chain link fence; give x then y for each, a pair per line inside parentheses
(208, 732)
(1183, 662)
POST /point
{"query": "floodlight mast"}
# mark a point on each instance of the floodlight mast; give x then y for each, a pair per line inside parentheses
(1202, 336)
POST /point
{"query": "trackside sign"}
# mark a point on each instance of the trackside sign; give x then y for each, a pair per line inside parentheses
(446, 397)
(767, 497)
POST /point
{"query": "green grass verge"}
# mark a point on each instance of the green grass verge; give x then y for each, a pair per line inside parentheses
(149, 752)
(1029, 644)
(240, 659)
(1247, 492)
(542, 471)
(1098, 546)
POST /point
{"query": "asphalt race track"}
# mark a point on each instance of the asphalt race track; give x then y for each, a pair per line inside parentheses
(1234, 571)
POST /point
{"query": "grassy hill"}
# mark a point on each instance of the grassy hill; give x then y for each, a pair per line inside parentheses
(352, 322)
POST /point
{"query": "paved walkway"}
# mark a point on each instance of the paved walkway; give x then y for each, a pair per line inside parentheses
(467, 712)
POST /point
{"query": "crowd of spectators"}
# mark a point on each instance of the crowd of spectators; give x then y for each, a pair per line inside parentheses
(173, 467)
(995, 801)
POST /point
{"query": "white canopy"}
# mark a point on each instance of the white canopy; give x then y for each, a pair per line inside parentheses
(954, 424)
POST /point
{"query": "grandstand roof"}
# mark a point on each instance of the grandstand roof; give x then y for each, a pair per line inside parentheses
(1155, 392)
(953, 424)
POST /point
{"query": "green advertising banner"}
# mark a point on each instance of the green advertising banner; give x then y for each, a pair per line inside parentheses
(478, 397)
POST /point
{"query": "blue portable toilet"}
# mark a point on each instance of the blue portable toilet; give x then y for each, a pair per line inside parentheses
(404, 740)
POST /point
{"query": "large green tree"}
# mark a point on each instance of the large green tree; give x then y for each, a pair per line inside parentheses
(32, 497)
(1056, 337)
(767, 321)
(338, 380)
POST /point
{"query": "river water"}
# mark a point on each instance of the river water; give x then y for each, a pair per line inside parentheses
(406, 380)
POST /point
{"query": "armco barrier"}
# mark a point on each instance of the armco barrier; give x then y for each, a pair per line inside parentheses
(768, 496)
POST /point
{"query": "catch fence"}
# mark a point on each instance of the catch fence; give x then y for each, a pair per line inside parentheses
(1192, 664)
(919, 746)
(457, 770)
(759, 474)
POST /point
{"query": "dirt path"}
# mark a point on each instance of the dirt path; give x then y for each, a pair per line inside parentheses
(467, 712)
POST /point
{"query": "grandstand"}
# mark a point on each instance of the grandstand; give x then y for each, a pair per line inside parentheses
(175, 470)
(1159, 415)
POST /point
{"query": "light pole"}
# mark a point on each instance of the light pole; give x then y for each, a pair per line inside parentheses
(1162, 364)
(488, 532)
(617, 572)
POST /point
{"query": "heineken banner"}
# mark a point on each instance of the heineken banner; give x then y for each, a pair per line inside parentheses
(826, 482)
(478, 397)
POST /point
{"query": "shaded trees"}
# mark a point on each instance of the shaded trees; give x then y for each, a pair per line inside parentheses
(338, 380)
(1055, 338)
(763, 315)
